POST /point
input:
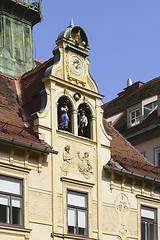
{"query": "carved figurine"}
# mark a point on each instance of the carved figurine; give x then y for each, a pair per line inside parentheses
(83, 123)
(64, 119)
(67, 160)
(85, 167)
(66, 155)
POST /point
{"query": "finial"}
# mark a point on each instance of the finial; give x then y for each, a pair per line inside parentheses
(129, 82)
(71, 23)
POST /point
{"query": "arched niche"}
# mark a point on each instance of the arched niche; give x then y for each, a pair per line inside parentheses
(84, 120)
(64, 113)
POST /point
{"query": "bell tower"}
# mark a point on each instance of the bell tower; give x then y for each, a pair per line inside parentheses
(17, 18)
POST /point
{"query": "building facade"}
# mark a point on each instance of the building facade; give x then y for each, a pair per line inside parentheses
(94, 184)
(136, 114)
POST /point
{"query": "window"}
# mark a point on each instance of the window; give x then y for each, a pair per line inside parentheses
(11, 201)
(77, 204)
(148, 108)
(157, 157)
(148, 223)
(134, 117)
(143, 154)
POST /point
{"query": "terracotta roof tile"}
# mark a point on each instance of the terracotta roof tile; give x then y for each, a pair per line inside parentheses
(127, 156)
(125, 101)
(12, 125)
(130, 98)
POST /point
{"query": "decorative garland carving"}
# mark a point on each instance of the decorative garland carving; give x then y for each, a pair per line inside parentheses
(123, 207)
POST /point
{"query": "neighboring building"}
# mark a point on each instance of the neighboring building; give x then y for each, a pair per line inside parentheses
(98, 186)
(135, 113)
(17, 19)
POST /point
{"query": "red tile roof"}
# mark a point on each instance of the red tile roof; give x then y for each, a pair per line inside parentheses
(130, 97)
(29, 86)
(126, 156)
(12, 125)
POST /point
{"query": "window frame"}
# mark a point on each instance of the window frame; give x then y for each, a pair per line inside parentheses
(150, 110)
(78, 207)
(149, 221)
(135, 117)
(21, 196)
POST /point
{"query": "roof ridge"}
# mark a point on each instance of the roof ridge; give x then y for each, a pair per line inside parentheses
(38, 60)
(157, 79)
(7, 76)
(35, 69)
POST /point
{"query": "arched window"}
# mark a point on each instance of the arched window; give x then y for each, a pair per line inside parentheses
(64, 114)
(84, 120)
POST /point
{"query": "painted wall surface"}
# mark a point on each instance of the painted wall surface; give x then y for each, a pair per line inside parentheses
(148, 148)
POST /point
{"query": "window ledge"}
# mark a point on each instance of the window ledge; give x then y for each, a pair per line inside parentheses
(69, 134)
(70, 236)
(18, 230)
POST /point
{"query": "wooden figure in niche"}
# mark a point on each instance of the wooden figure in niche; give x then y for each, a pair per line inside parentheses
(64, 119)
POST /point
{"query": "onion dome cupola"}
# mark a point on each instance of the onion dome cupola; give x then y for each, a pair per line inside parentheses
(71, 61)
(76, 39)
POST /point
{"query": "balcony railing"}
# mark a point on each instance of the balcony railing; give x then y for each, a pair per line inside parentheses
(35, 4)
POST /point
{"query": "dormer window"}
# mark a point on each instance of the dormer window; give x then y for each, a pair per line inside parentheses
(134, 117)
(149, 107)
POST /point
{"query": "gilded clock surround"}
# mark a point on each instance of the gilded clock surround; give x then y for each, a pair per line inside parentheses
(76, 70)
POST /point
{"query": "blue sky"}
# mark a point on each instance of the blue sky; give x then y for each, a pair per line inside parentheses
(124, 38)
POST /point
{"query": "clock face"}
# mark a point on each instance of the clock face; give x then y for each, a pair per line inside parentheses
(76, 66)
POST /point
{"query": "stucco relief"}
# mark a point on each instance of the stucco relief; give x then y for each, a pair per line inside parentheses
(90, 84)
(123, 208)
(67, 158)
(78, 162)
(58, 73)
(84, 165)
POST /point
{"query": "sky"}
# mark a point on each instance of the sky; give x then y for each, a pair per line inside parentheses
(124, 38)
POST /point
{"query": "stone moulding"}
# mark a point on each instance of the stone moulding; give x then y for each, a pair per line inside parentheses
(82, 183)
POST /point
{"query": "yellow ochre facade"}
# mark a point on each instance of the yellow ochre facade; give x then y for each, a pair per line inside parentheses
(74, 194)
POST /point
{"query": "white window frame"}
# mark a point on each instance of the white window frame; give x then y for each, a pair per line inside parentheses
(136, 118)
(148, 101)
(150, 110)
